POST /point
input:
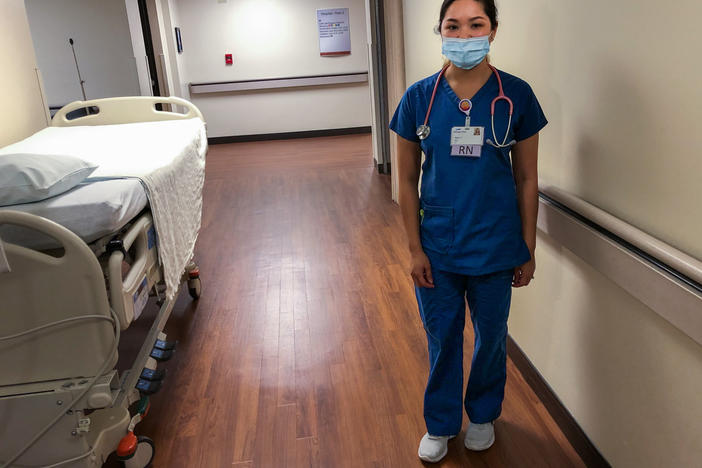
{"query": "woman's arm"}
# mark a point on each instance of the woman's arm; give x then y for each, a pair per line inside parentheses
(524, 166)
(409, 157)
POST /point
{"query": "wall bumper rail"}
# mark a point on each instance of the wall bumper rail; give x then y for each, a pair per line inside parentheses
(663, 278)
(278, 83)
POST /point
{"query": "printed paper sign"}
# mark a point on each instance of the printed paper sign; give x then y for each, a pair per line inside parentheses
(334, 32)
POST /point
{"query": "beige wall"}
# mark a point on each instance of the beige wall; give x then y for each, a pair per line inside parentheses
(631, 379)
(24, 111)
(621, 94)
(422, 46)
(618, 84)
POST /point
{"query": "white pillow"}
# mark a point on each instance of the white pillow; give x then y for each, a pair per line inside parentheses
(26, 178)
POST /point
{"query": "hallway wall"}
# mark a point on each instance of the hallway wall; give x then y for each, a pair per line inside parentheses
(617, 82)
(25, 111)
(102, 42)
(271, 40)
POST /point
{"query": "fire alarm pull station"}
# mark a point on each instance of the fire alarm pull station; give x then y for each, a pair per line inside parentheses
(228, 59)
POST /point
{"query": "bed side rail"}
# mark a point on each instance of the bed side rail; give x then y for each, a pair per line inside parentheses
(64, 295)
(121, 110)
(128, 291)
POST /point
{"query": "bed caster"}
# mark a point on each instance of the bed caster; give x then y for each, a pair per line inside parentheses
(136, 452)
(194, 283)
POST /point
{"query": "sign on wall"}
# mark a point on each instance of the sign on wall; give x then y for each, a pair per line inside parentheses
(334, 32)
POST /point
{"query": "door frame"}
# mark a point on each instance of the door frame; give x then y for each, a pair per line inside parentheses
(377, 76)
(386, 78)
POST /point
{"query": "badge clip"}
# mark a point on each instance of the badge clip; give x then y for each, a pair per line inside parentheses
(465, 106)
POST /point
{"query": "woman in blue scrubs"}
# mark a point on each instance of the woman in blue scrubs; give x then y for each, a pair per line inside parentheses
(472, 233)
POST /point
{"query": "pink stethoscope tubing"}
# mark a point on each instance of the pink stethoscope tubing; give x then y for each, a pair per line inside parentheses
(424, 130)
(500, 96)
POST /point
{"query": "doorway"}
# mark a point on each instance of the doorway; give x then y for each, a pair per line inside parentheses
(149, 48)
(82, 53)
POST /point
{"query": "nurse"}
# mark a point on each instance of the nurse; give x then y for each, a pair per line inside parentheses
(472, 232)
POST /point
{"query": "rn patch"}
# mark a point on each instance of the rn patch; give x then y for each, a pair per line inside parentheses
(469, 151)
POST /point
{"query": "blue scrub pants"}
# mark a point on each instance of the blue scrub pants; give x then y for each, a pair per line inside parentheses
(443, 313)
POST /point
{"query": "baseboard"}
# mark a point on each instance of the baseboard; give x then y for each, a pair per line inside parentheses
(575, 435)
(288, 135)
(381, 169)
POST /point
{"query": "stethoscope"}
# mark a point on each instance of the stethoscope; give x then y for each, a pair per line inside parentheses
(423, 131)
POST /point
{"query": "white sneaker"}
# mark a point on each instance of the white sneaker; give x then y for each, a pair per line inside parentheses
(480, 436)
(433, 448)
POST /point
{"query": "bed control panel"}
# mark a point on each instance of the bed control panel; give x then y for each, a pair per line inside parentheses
(148, 387)
(129, 291)
(140, 298)
(165, 345)
(162, 355)
(153, 375)
(151, 378)
(163, 350)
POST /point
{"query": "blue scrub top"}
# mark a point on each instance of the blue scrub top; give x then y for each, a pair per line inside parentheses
(470, 221)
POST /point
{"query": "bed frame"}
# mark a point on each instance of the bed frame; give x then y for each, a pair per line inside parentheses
(121, 110)
(117, 404)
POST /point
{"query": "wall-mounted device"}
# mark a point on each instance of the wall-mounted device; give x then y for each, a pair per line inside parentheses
(228, 59)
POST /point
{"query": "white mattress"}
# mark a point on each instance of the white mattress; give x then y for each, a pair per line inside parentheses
(91, 210)
(167, 156)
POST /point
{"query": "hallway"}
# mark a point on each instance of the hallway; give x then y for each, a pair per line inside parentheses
(306, 348)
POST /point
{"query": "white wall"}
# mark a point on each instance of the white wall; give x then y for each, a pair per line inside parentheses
(24, 110)
(103, 46)
(172, 20)
(271, 39)
(617, 82)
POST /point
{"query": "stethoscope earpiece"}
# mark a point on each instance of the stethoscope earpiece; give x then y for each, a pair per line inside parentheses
(492, 143)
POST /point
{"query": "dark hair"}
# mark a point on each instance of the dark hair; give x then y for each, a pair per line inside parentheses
(488, 5)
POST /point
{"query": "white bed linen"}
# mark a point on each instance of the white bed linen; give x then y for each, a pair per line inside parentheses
(168, 156)
(91, 210)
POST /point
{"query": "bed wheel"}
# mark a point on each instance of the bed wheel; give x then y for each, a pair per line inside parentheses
(143, 456)
(194, 288)
(194, 283)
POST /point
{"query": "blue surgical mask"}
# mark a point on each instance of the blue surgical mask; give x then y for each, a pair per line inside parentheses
(466, 53)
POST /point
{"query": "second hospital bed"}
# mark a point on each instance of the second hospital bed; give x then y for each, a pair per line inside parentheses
(110, 233)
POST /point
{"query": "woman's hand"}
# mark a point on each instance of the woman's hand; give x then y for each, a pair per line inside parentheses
(421, 270)
(524, 274)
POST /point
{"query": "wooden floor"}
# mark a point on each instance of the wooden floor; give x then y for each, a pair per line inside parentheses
(306, 348)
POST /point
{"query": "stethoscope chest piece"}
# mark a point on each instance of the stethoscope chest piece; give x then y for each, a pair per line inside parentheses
(423, 132)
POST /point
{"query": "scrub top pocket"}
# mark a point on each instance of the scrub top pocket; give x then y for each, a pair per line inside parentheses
(437, 228)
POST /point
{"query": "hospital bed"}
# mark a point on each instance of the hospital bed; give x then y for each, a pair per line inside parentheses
(81, 268)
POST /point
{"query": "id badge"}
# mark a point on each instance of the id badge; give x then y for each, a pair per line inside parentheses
(467, 141)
